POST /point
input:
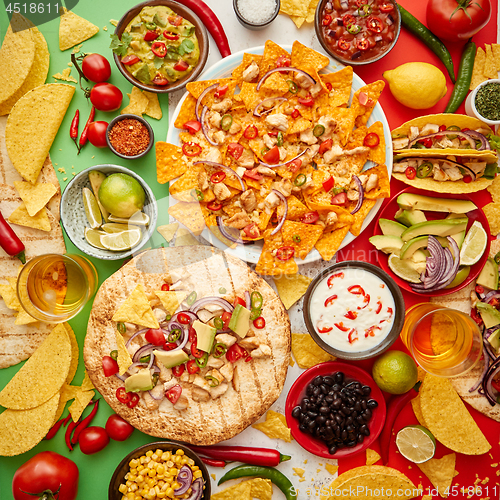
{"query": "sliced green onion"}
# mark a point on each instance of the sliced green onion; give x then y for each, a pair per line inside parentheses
(318, 130)
(222, 290)
(174, 334)
(226, 122)
(212, 381)
(114, 354)
(121, 327)
(218, 323)
(254, 314)
(197, 194)
(279, 139)
(256, 300)
(296, 238)
(293, 88)
(424, 169)
(191, 298)
(145, 359)
(300, 180)
(202, 362)
(219, 350)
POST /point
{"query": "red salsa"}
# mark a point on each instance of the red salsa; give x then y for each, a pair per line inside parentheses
(359, 29)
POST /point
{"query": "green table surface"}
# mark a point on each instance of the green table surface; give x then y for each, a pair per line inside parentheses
(95, 470)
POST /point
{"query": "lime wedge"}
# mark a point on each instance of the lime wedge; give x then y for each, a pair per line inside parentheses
(93, 237)
(91, 208)
(114, 227)
(117, 242)
(403, 268)
(416, 443)
(138, 219)
(474, 245)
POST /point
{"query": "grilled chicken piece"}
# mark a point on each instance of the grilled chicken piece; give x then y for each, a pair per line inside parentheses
(215, 362)
(238, 220)
(217, 392)
(226, 339)
(221, 191)
(268, 172)
(223, 106)
(330, 125)
(263, 351)
(308, 137)
(248, 200)
(251, 72)
(203, 180)
(246, 159)
(278, 120)
(182, 403)
(200, 395)
(227, 371)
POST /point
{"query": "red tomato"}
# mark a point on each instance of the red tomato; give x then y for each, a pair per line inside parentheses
(195, 352)
(192, 126)
(96, 68)
(183, 318)
(106, 97)
(235, 149)
(306, 101)
(160, 80)
(46, 471)
(178, 370)
(273, 155)
(309, 218)
(328, 184)
(252, 231)
(339, 199)
(285, 253)
(97, 134)
(220, 91)
(117, 428)
(174, 393)
(235, 352)
(175, 20)
(226, 317)
(192, 337)
(325, 146)
(181, 65)
(93, 439)
(240, 301)
(109, 366)
(294, 165)
(192, 367)
(283, 61)
(253, 174)
(457, 21)
(155, 336)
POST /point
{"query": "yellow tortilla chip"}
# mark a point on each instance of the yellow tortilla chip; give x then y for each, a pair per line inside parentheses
(82, 400)
(36, 196)
(153, 109)
(87, 384)
(294, 8)
(21, 217)
(298, 20)
(360, 215)
(490, 69)
(276, 83)
(440, 472)
(42, 375)
(417, 410)
(495, 48)
(23, 318)
(306, 352)
(247, 60)
(22, 430)
(329, 243)
(171, 300)
(494, 189)
(75, 353)
(291, 288)
(296, 209)
(184, 188)
(123, 359)
(74, 29)
(478, 69)
(332, 469)
(168, 231)
(299, 125)
(241, 491)
(9, 296)
(272, 51)
(377, 154)
(341, 83)
(261, 488)
(69, 392)
(184, 238)
(268, 263)
(186, 112)
(363, 112)
(190, 215)
(492, 212)
(65, 76)
(138, 103)
(274, 427)
(308, 59)
(311, 11)
(372, 457)
(169, 162)
(302, 237)
(136, 309)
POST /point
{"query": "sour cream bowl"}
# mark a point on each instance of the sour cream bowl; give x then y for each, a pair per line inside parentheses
(354, 310)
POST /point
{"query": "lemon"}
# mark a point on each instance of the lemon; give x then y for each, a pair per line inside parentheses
(395, 372)
(474, 244)
(403, 268)
(417, 85)
(137, 219)
(91, 208)
(93, 237)
(121, 195)
(416, 443)
(117, 242)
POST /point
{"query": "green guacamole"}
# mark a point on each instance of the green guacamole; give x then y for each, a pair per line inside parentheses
(165, 44)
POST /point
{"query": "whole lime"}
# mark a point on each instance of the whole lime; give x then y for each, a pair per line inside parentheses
(395, 372)
(121, 195)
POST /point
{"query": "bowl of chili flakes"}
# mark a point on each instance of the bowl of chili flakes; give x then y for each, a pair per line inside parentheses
(129, 136)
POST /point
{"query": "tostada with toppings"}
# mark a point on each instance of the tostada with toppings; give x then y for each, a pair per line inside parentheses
(188, 344)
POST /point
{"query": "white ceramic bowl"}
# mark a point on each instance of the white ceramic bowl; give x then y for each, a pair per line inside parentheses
(470, 104)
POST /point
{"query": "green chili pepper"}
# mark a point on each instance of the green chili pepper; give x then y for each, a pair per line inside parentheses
(424, 169)
(256, 300)
(114, 354)
(212, 381)
(197, 194)
(318, 130)
(150, 26)
(202, 362)
(174, 334)
(254, 314)
(222, 290)
(497, 258)
(354, 29)
(278, 478)
(218, 323)
(413, 25)
(364, 11)
(293, 88)
(155, 378)
(296, 238)
(300, 180)
(279, 139)
(121, 327)
(219, 350)
(453, 127)
(145, 359)
(191, 298)
(168, 317)
(464, 77)
(264, 151)
(226, 122)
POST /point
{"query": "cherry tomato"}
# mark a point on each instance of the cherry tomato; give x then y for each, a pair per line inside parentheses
(175, 20)
(339, 199)
(109, 366)
(192, 367)
(220, 91)
(343, 44)
(178, 370)
(253, 174)
(285, 253)
(306, 101)
(252, 230)
(325, 146)
(272, 156)
(226, 317)
(97, 134)
(155, 336)
(46, 471)
(106, 97)
(93, 439)
(309, 218)
(181, 65)
(195, 352)
(174, 393)
(328, 184)
(160, 80)
(117, 428)
(96, 68)
(235, 150)
(150, 36)
(214, 206)
(183, 318)
(283, 61)
(235, 352)
(294, 165)
(259, 322)
(130, 59)
(410, 173)
(192, 335)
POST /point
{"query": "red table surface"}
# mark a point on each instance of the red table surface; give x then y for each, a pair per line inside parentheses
(408, 49)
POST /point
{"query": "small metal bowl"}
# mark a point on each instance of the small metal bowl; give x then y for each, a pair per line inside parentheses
(122, 469)
(139, 119)
(399, 313)
(252, 26)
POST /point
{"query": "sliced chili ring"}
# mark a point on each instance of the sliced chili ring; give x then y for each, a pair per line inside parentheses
(219, 350)
(343, 44)
(410, 173)
(285, 253)
(217, 177)
(133, 401)
(215, 206)
(375, 24)
(348, 19)
(296, 238)
(386, 7)
(197, 194)
(159, 49)
(300, 180)
(191, 149)
(318, 130)
(326, 20)
(259, 322)
(202, 361)
(251, 132)
(122, 395)
(371, 140)
(256, 300)
(226, 122)
(353, 29)
(293, 88)
(362, 44)
(424, 169)
(295, 113)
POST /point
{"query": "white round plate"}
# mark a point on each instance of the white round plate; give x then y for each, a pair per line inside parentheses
(223, 69)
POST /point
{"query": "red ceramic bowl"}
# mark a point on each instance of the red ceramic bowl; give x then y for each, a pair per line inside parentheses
(392, 207)
(298, 391)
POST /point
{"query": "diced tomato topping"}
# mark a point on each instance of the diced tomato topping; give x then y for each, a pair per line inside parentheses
(410, 173)
(220, 91)
(251, 132)
(181, 65)
(253, 174)
(235, 352)
(475, 316)
(252, 230)
(175, 20)
(226, 317)
(351, 315)
(328, 184)
(309, 218)
(426, 142)
(195, 352)
(306, 101)
(217, 177)
(130, 59)
(178, 370)
(215, 206)
(160, 80)
(371, 140)
(379, 307)
(285, 253)
(192, 367)
(283, 61)
(295, 113)
(133, 401)
(122, 395)
(235, 150)
(329, 301)
(356, 290)
(183, 318)
(325, 329)
(294, 165)
(332, 277)
(351, 336)
(328, 86)
(238, 300)
(155, 336)
(192, 337)
(109, 366)
(259, 323)
(339, 198)
(272, 156)
(341, 326)
(325, 146)
(174, 393)
(150, 36)
(192, 126)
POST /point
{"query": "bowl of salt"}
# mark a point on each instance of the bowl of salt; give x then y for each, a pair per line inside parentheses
(256, 14)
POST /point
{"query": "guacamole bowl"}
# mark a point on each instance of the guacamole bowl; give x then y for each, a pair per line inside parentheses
(163, 42)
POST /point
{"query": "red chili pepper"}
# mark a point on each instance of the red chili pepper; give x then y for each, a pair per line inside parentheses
(326, 20)
(479, 289)
(370, 332)
(252, 456)
(84, 136)
(330, 300)
(251, 132)
(371, 140)
(350, 336)
(73, 130)
(390, 311)
(332, 277)
(341, 326)
(85, 422)
(325, 329)
(10, 242)
(165, 287)
(133, 401)
(295, 113)
(170, 36)
(467, 179)
(379, 307)
(212, 462)
(356, 290)
(214, 206)
(54, 429)
(191, 149)
(150, 36)
(159, 49)
(351, 315)
(366, 301)
(217, 177)
(476, 317)
(67, 436)
(259, 322)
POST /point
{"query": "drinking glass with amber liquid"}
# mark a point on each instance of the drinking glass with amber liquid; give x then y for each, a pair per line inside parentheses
(55, 288)
(444, 342)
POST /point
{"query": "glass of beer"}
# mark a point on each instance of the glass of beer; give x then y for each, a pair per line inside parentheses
(55, 288)
(444, 342)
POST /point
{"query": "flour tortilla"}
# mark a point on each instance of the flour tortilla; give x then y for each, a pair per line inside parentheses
(461, 300)
(18, 342)
(206, 270)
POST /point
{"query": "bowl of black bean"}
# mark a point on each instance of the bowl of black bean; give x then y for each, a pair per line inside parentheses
(335, 410)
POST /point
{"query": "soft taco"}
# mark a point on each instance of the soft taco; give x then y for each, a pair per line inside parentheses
(226, 386)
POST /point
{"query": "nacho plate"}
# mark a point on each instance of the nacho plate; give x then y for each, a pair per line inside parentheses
(223, 69)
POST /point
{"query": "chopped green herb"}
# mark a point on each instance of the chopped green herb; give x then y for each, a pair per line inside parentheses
(487, 101)
(186, 47)
(158, 61)
(119, 47)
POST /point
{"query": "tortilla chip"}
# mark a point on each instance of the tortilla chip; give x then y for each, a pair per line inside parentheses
(360, 215)
(69, 392)
(298, 20)
(138, 103)
(185, 238)
(75, 353)
(43, 108)
(169, 162)
(296, 209)
(168, 231)
(494, 189)
(9, 296)
(82, 400)
(153, 109)
(268, 263)
(241, 491)
(275, 427)
(136, 309)
(377, 154)
(87, 384)
(190, 215)
(38, 380)
(272, 51)
(183, 189)
(307, 59)
(341, 83)
(492, 212)
(371, 456)
(448, 418)
(329, 243)
(261, 488)
(36, 196)
(123, 359)
(490, 69)
(306, 352)
(237, 73)
(417, 410)
(23, 318)
(291, 288)
(311, 11)
(65, 76)
(171, 300)
(373, 91)
(21, 217)
(478, 69)
(299, 125)
(186, 112)
(74, 29)
(22, 430)
(294, 8)
(495, 48)
(300, 236)
(332, 469)
(440, 472)
(459, 187)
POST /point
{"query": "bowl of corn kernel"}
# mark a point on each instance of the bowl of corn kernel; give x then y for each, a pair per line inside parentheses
(162, 469)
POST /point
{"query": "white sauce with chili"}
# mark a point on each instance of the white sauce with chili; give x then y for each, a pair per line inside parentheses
(352, 310)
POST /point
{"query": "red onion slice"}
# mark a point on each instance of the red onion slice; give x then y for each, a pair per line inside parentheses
(261, 103)
(143, 351)
(204, 128)
(486, 360)
(196, 489)
(493, 370)
(248, 302)
(281, 196)
(485, 145)
(218, 301)
(226, 232)
(463, 135)
(138, 333)
(227, 169)
(184, 478)
(361, 194)
(286, 162)
(284, 69)
(202, 95)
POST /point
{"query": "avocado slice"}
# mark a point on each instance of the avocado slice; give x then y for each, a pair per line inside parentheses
(171, 358)
(411, 246)
(494, 340)
(440, 227)
(160, 20)
(488, 276)
(140, 381)
(410, 217)
(455, 216)
(142, 74)
(417, 201)
(489, 314)
(391, 227)
(460, 277)
(459, 238)
(135, 28)
(387, 243)
(205, 335)
(96, 178)
(240, 321)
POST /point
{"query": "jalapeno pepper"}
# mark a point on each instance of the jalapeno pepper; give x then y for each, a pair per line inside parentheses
(202, 362)
(212, 381)
(226, 122)
(424, 169)
(293, 88)
(300, 180)
(219, 349)
(318, 130)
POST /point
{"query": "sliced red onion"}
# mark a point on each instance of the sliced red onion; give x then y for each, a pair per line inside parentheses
(218, 301)
(452, 249)
(284, 69)
(485, 145)
(389, 20)
(281, 196)
(491, 295)
(463, 135)
(121, 377)
(248, 301)
(196, 489)
(184, 478)
(356, 55)
(136, 364)
(157, 398)
(340, 22)
(202, 95)
(493, 370)
(483, 373)
(135, 335)
(286, 162)
(143, 351)
(344, 4)
(261, 103)
(488, 349)
(204, 127)
(226, 232)
(378, 38)
(227, 169)
(361, 194)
